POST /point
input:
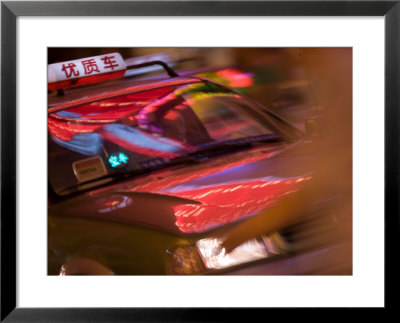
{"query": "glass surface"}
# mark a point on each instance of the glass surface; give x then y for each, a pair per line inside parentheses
(154, 127)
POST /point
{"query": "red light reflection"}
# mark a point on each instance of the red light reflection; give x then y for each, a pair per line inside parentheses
(227, 203)
(236, 78)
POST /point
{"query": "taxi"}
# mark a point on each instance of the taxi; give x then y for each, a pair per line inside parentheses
(147, 176)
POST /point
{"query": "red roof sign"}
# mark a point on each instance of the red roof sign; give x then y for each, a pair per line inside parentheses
(86, 70)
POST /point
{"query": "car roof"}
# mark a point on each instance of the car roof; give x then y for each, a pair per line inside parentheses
(89, 93)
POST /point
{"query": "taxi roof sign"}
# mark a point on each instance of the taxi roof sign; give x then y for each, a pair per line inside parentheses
(85, 71)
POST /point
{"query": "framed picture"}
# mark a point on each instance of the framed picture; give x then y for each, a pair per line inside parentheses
(360, 44)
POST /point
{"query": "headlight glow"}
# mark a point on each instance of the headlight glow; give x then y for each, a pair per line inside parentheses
(215, 257)
(207, 254)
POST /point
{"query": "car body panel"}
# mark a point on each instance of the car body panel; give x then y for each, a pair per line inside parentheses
(198, 197)
(131, 225)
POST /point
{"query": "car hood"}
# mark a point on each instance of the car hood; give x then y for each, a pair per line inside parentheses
(201, 197)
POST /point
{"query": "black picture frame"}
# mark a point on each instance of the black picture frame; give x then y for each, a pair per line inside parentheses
(11, 10)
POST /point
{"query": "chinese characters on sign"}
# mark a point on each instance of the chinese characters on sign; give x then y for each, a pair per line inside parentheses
(101, 67)
(69, 70)
(109, 62)
(90, 66)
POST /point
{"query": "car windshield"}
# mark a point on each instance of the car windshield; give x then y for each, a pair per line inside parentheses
(136, 131)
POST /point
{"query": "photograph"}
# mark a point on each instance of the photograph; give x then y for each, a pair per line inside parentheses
(200, 161)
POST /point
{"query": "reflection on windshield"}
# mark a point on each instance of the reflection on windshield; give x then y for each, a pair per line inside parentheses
(166, 123)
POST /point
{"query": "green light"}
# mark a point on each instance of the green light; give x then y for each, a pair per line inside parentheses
(123, 158)
(115, 160)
